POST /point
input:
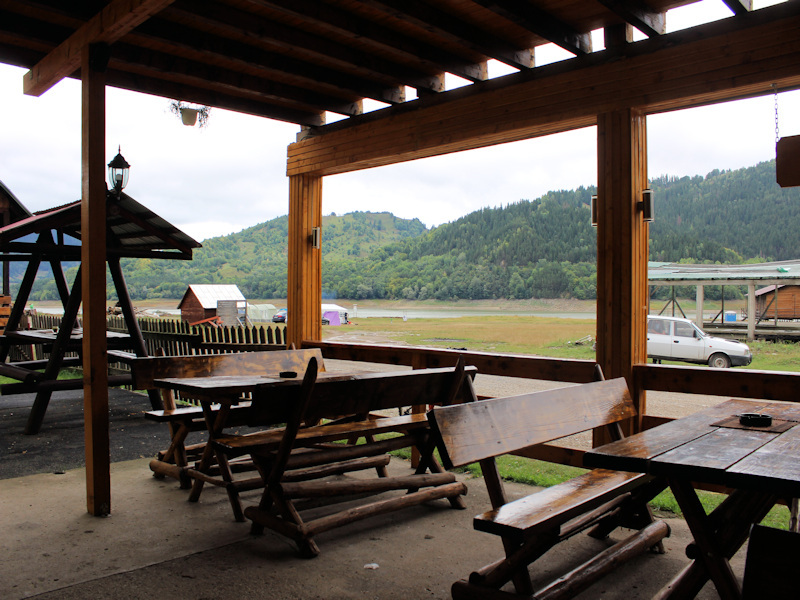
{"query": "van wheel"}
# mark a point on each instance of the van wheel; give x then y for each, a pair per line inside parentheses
(719, 361)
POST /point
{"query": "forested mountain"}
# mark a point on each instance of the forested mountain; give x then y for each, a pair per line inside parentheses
(542, 248)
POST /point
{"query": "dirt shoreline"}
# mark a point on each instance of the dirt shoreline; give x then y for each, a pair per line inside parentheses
(538, 305)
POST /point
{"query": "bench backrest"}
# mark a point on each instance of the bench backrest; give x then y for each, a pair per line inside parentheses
(485, 429)
(271, 362)
(363, 393)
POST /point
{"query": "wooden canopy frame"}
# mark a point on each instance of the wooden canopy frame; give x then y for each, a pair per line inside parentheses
(159, 45)
(132, 231)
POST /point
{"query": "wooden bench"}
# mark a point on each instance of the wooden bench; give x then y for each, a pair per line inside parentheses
(175, 460)
(294, 461)
(530, 526)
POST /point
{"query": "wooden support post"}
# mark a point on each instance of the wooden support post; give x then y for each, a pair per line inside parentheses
(699, 301)
(622, 237)
(751, 311)
(93, 264)
(304, 302)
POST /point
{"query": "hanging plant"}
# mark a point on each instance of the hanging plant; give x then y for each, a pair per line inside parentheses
(190, 114)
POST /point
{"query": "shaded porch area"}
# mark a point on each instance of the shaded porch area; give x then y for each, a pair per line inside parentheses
(156, 544)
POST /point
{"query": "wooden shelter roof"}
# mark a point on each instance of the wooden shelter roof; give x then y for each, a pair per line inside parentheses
(787, 271)
(10, 203)
(133, 231)
(296, 60)
(209, 294)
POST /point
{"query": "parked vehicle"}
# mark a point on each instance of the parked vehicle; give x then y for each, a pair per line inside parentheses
(673, 338)
(280, 316)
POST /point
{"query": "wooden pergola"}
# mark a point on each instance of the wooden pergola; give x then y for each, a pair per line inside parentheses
(296, 60)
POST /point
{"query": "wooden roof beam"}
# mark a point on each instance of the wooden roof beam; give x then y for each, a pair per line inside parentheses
(341, 89)
(329, 18)
(428, 17)
(739, 7)
(648, 21)
(542, 24)
(707, 64)
(216, 76)
(283, 41)
(109, 25)
(261, 107)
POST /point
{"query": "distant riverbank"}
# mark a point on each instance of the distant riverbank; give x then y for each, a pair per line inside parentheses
(411, 309)
(434, 309)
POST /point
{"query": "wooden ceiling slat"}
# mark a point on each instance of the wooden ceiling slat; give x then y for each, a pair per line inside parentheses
(561, 96)
(169, 88)
(333, 90)
(218, 78)
(542, 24)
(340, 60)
(328, 20)
(645, 19)
(739, 7)
(294, 60)
(447, 26)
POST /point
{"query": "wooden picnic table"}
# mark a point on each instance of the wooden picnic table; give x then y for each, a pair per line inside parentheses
(760, 464)
(57, 342)
(218, 395)
(116, 340)
(296, 461)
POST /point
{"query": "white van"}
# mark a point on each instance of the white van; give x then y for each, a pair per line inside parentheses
(673, 338)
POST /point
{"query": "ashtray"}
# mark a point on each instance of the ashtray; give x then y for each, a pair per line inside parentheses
(287, 374)
(755, 419)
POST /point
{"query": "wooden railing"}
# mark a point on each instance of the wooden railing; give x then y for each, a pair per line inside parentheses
(508, 365)
(739, 383)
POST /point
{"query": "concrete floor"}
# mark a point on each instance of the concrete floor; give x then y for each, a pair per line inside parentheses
(155, 544)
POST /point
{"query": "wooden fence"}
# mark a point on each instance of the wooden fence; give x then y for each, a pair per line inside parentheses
(177, 337)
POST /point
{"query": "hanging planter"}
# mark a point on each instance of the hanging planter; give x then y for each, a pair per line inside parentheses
(190, 114)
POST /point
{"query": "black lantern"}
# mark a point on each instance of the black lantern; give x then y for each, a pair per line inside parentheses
(118, 170)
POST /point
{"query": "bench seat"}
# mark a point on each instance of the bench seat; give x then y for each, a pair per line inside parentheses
(558, 504)
(599, 500)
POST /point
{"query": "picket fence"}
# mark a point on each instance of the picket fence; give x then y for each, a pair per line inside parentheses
(177, 338)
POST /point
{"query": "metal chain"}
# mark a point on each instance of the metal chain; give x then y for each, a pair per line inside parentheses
(777, 132)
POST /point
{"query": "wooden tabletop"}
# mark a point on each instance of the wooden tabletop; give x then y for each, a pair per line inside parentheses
(697, 448)
(234, 385)
(49, 335)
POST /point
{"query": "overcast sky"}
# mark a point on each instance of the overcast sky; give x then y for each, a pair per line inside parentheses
(232, 174)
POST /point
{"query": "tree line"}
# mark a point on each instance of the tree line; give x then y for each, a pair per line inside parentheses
(542, 248)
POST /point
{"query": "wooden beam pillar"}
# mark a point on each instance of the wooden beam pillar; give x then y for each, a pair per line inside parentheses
(622, 251)
(93, 264)
(304, 320)
(699, 301)
(751, 311)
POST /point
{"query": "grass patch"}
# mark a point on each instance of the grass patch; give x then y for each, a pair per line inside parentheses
(68, 373)
(536, 336)
(543, 336)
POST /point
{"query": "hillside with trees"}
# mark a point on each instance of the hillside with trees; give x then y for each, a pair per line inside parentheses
(543, 248)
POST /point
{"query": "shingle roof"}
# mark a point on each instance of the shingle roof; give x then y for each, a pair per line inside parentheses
(210, 294)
